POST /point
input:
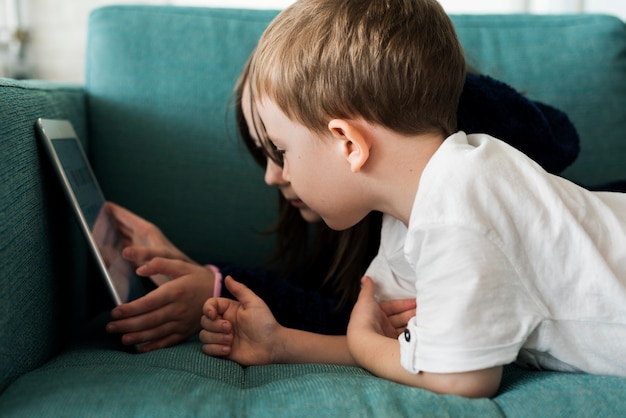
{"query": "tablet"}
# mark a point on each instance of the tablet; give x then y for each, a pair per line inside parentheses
(85, 196)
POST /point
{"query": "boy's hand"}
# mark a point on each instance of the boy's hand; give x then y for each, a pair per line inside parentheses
(169, 314)
(242, 330)
(376, 348)
(399, 312)
(368, 316)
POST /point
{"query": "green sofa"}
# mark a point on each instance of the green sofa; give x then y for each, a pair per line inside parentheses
(155, 118)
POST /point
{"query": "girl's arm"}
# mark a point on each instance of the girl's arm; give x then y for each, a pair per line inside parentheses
(375, 349)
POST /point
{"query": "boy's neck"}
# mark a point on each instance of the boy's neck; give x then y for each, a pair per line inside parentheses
(397, 165)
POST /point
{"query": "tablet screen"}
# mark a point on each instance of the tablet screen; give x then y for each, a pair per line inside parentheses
(121, 273)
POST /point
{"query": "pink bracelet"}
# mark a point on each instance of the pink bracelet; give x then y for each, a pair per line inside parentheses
(217, 282)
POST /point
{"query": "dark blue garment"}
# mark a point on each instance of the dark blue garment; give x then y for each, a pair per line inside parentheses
(293, 305)
(540, 131)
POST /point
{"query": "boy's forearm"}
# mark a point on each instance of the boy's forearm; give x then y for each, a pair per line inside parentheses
(381, 356)
(297, 346)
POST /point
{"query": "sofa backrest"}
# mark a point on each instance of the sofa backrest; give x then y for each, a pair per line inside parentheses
(576, 63)
(163, 138)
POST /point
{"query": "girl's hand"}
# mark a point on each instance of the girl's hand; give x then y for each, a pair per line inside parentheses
(242, 330)
(169, 314)
(143, 240)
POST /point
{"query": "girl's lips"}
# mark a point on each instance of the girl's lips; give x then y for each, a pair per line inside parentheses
(297, 203)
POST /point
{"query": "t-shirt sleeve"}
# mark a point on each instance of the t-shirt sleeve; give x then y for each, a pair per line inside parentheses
(379, 270)
(474, 311)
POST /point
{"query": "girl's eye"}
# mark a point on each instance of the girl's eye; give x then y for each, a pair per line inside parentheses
(274, 153)
(280, 156)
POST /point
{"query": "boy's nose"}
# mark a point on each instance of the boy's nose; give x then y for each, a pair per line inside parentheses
(274, 174)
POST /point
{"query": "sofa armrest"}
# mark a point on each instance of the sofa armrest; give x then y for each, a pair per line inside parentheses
(38, 271)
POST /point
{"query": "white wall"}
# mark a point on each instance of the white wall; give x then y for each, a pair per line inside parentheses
(57, 28)
(58, 34)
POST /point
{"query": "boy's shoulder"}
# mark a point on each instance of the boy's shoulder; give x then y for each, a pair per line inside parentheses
(470, 174)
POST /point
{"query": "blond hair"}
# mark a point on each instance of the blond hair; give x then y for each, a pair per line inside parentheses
(397, 63)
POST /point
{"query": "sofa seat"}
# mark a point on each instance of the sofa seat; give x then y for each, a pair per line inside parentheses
(97, 377)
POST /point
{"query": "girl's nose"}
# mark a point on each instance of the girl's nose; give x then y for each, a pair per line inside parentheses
(274, 174)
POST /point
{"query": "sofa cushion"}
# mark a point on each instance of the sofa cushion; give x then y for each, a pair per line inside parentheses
(95, 377)
(527, 393)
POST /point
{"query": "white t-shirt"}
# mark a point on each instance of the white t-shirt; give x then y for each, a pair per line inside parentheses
(506, 259)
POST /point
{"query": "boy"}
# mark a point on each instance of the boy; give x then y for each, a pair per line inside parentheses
(358, 99)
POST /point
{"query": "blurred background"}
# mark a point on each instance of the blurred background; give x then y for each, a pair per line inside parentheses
(45, 39)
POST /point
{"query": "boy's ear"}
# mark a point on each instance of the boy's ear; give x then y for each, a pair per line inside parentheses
(353, 142)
